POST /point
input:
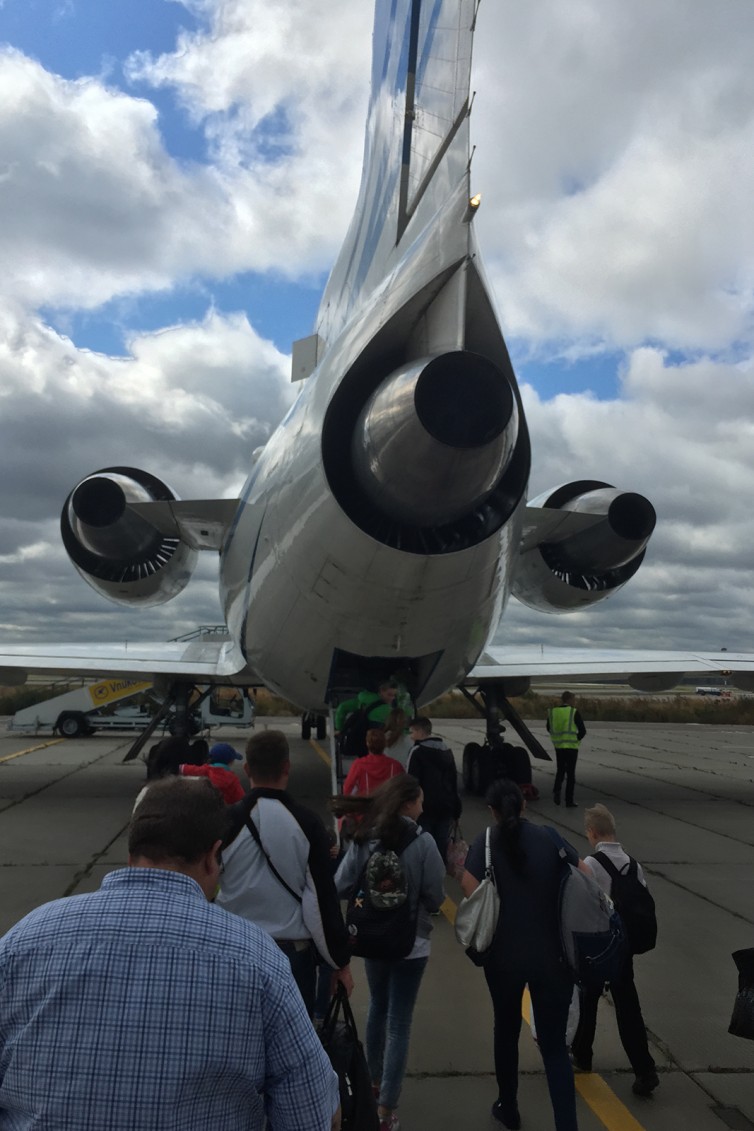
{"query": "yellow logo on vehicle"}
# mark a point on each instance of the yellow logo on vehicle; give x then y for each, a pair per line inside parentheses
(110, 690)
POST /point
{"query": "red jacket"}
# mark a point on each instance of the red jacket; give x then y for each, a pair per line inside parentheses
(224, 780)
(370, 771)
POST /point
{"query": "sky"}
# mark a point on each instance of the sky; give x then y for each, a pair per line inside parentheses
(176, 179)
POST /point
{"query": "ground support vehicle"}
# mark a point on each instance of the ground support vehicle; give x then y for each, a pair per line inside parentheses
(92, 707)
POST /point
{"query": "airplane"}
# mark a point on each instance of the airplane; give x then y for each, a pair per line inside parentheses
(385, 524)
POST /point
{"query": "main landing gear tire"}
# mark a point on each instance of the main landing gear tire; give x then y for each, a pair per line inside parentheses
(474, 776)
(321, 727)
(306, 727)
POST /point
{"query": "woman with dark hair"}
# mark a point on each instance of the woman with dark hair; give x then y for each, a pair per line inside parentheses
(525, 950)
(389, 822)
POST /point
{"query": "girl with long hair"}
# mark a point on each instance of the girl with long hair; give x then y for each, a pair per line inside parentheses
(389, 822)
(525, 950)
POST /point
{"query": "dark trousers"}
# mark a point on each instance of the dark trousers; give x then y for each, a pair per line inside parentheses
(303, 962)
(566, 763)
(633, 1034)
(439, 829)
(550, 998)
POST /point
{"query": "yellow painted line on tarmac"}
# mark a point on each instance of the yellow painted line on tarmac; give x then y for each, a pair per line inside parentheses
(594, 1091)
(30, 750)
(322, 753)
(605, 1104)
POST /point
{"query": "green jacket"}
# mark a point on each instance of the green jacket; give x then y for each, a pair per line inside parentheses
(378, 712)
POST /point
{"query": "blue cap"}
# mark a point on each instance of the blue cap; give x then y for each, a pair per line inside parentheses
(224, 752)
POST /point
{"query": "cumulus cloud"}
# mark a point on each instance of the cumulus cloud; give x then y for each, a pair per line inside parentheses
(615, 157)
(618, 145)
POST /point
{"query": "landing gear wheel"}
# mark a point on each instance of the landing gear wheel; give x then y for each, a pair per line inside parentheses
(306, 727)
(472, 760)
(321, 727)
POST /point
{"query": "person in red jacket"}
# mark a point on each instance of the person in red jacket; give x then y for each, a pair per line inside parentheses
(366, 773)
(217, 769)
(374, 768)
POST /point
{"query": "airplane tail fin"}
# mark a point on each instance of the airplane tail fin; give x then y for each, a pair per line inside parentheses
(417, 142)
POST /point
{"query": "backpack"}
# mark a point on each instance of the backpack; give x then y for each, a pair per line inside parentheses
(435, 769)
(353, 734)
(592, 939)
(633, 903)
(379, 917)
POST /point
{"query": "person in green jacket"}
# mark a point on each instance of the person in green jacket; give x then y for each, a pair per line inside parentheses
(566, 728)
(378, 705)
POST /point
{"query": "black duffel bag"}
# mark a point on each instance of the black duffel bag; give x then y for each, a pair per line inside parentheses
(742, 1021)
(340, 1041)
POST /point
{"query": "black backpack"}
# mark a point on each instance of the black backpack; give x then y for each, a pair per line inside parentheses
(633, 902)
(593, 942)
(435, 770)
(353, 734)
(379, 917)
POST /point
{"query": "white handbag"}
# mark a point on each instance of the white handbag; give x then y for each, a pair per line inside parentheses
(478, 913)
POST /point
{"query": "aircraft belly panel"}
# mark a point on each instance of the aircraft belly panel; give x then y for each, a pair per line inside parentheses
(343, 590)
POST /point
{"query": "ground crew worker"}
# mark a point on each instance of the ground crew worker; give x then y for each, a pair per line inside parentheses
(566, 729)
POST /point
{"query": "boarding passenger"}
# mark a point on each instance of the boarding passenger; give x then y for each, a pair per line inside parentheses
(432, 763)
(390, 815)
(217, 769)
(369, 772)
(525, 949)
(143, 1005)
(600, 830)
(397, 741)
(567, 729)
(355, 716)
(278, 870)
(172, 751)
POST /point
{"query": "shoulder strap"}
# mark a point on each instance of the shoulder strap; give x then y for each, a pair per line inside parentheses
(613, 872)
(255, 833)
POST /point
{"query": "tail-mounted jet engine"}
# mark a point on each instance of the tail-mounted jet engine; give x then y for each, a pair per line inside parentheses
(589, 540)
(435, 458)
(118, 552)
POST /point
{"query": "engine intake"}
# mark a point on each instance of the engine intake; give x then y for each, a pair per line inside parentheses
(584, 559)
(435, 438)
(118, 552)
(433, 458)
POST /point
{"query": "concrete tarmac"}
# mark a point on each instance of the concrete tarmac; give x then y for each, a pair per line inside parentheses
(682, 796)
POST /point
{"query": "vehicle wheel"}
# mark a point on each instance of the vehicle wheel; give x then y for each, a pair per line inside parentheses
(472, 753)
(71, 726)
(321, 727)
(306, 726)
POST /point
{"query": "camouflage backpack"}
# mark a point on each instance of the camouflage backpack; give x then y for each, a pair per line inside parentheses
(379, 916)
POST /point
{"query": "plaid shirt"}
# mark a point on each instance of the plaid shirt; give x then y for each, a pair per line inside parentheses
(142, 1006)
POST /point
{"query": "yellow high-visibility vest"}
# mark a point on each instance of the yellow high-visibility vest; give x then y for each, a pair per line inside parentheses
(563, 730)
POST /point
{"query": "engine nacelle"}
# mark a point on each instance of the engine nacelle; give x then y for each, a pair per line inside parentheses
(432, 459)
(117, 551)
(588, 551)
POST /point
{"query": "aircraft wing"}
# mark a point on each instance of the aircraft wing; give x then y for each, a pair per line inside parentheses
(204, 658)
(643, 670)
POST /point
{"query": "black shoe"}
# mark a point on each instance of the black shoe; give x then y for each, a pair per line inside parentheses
(556, 797)
(571, 805)
(580, 1063)
(508, 1116)
(644, 1085)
